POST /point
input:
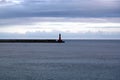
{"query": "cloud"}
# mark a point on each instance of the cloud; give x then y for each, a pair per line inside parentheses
(69, 17)
(4, 3)
(60, 8)
(61, 25)
(32, 20)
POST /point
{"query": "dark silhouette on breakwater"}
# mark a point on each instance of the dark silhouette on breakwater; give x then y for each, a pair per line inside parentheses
(60, 39)
(32, 40)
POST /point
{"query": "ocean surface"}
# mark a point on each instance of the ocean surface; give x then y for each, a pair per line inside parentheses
(72, 60)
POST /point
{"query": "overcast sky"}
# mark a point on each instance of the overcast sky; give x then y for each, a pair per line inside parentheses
(76, 19)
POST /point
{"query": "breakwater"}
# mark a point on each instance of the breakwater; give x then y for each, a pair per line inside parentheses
(30, 41)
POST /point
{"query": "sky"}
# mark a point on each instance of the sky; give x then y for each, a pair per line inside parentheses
(74, 19)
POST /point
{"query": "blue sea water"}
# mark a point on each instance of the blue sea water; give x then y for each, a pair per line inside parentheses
(72, 60)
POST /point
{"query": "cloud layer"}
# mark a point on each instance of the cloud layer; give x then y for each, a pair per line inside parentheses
(89, 28)
(59, 8)
(75, 18)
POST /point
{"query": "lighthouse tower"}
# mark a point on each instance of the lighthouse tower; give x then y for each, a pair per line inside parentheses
(60, 39)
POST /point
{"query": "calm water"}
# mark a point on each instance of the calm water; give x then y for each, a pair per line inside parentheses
(73, 60)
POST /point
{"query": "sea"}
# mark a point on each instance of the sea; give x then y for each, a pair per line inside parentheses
(72, 60)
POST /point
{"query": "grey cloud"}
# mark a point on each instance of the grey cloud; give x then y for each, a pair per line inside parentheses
(33, 20)
(61, 8)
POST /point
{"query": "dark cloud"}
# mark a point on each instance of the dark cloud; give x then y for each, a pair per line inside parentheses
(61, 8)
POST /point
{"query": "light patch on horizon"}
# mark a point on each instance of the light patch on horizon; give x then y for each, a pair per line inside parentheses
(69, 27)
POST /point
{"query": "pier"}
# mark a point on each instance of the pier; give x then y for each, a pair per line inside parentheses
(32, 40)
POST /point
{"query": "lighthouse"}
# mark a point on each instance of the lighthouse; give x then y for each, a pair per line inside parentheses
(60, 39)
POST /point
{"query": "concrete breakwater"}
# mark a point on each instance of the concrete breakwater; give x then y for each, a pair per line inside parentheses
(30, 41)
